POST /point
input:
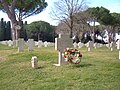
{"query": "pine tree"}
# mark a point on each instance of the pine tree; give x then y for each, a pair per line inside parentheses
(8, 31)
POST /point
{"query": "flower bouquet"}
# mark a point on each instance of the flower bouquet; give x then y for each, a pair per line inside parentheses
(72, 55)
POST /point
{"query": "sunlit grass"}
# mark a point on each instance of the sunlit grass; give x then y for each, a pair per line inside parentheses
(98, 70)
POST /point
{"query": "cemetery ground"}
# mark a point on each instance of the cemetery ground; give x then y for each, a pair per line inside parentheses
(98, 70)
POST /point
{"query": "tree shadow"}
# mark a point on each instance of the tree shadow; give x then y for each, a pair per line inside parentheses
(83, 65)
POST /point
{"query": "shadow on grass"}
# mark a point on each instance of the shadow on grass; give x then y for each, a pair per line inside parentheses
(83, 65)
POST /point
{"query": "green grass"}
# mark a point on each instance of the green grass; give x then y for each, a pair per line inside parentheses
(98, 70)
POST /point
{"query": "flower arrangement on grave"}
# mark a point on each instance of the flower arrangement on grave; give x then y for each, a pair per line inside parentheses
(72, 55)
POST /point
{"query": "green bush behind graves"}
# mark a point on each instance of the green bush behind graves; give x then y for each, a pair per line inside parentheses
(99, 70)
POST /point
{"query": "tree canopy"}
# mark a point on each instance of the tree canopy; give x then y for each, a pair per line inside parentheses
(17, 10)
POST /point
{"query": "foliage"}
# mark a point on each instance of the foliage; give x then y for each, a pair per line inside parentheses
(17, 10)
(64, 11)
(98, 70)
(41, 30)
(5, 30)
(8, 35)
(2, 29)
(25, 8)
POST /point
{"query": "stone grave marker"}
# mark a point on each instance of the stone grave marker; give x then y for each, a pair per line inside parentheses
(45, 44)
(112, 46)
(118, 44)
(34, 62)
(21, 44)
(60, 44)
(75, 45)
(90, 45)
(31, 44)
(10, 43)
(80, 45)
(40, 44)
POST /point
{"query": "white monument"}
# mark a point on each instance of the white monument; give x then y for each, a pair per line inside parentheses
(112, 46)
(10, 43)
(75, 45)
(40, 44)
(34, 62)
(21, 44)
(45, 44)
(60, 44)
(80, 45)
(118, 44)
(90, 45)
(31, 44)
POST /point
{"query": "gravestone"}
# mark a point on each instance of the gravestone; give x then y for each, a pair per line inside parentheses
(75, 45)
(21, 44)
(90, 45)
(45, 44)
(80, 45)
(34, 62)
(60, 44)
(112, 46)
(118, 44)
(31, 44)
(10, 43)
(40, 44)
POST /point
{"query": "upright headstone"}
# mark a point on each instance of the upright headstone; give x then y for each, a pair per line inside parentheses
(10, 43)
(112, 46)
(34, 62)
(40, 44)
(21, 44)
(31, 44)
(60, 44)
(80, 45)
(45, 44)
(118, 44)
(75, 45)
(90, 45)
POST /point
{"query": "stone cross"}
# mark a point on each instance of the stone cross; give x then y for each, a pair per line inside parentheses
(31, 44)
(60, 44)
(21, 44)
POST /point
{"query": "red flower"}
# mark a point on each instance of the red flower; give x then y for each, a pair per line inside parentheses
(64, 56)
(80, 55)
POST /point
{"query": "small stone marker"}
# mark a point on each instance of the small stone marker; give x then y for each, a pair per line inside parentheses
(31, 44)
(45, 44)
(75, 45)
(90, 45)
(10, 43)
(34, 62)
(80, 45)
(118, 44)
(40, 44)
(21, 44)
(112, 46)
(60, 44)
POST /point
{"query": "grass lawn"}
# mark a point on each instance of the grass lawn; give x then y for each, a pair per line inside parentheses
(98, 70)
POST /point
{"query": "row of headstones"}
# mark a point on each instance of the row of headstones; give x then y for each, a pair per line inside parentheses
(39, 43)
(31, 44)
(90, 45)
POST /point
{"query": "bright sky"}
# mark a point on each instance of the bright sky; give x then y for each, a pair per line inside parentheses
(112, 5)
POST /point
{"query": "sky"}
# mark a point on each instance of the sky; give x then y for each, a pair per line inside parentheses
(112, 5)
